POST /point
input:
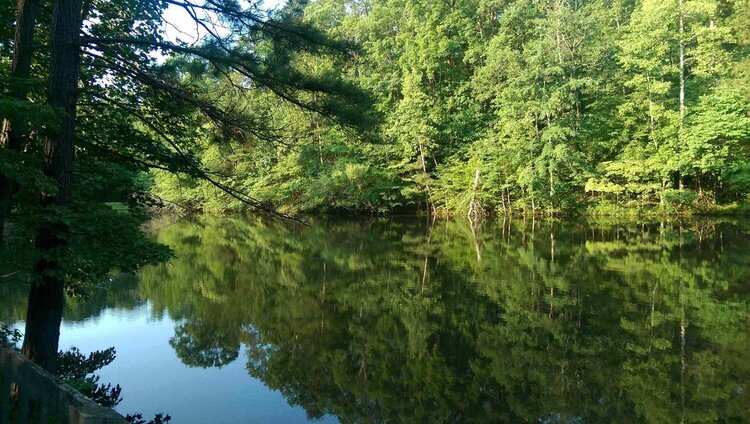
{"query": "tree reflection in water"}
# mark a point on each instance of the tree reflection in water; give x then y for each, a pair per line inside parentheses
(411, 321)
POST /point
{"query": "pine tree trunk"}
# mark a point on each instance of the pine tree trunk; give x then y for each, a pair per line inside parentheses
(46, 296)
(13, 133)
(44, 314)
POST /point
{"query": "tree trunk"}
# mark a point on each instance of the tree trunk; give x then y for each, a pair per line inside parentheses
(651, 124)
(44, 313)
(474, 206)
(551, 182)
(698, 183)
(47, 290)
(318, 134)
(502, 198)
(423, 160)
(682, 69)
(13, 132)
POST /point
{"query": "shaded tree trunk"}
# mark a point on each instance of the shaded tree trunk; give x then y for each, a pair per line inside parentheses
(47, 290)
(13, 132)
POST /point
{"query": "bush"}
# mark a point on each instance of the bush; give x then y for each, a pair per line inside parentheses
(680, 199)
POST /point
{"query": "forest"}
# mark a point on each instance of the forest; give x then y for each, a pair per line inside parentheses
(448, 107)
(498, 106)
(257, 123)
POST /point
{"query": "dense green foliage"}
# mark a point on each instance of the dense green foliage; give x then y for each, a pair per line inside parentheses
(94, 94)
(554, 105)
(533, 106)
(558, 104)
(145, 102)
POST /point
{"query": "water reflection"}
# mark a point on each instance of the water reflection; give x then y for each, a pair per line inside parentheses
(411, 321)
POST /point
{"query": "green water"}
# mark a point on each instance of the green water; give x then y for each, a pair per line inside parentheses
(417, 321)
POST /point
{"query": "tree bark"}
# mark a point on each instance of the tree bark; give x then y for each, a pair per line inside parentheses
(682, 69)
(423, 161)
(46, 296)
(474, 212)
(13, 136)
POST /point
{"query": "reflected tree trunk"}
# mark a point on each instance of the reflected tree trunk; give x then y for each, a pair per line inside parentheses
(653, 303)
(425, 269)
(552, 246)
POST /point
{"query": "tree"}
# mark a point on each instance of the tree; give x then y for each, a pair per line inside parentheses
(562, 106)
(13, 131)
(110, 58)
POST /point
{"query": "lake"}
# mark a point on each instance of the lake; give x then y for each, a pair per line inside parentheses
(412, 320)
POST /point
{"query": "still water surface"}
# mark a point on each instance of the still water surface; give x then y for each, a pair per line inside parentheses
(412, 321)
